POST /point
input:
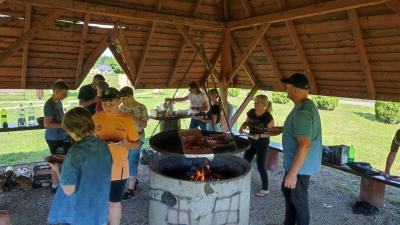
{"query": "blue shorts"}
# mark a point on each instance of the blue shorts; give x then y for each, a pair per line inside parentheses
(133, 159)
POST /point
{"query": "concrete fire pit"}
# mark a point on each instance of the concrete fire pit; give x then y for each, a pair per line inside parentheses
(175, 200)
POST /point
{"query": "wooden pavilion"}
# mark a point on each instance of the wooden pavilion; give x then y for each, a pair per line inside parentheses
(348, 48)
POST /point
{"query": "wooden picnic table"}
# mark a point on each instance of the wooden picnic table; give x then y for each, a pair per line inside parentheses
(372, 188)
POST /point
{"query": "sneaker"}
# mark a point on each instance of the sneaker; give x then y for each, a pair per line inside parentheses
(128, 195)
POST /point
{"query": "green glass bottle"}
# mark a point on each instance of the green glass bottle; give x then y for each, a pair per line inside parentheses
(351, 154)
(4, 118)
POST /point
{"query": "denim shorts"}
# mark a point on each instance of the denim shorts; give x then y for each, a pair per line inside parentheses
(133, 159)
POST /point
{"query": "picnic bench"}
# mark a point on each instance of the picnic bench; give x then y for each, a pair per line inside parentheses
(372, 188)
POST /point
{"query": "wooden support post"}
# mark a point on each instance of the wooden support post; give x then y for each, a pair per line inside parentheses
(226, 62)
(144, 54)
(27, 36)
(248, 51)
(359, 41)
(82, 47)
(394, 5)
(243, 106)
(319, 8)
(372, 192)
(25, 50)
(300, 51)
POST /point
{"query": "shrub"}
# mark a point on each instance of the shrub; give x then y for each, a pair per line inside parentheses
(279, 98)
(387, 112)
(233, 92)
(325, 102)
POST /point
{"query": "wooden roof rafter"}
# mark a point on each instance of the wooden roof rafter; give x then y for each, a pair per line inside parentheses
(394, 5)
(359, 41)
(214, 60)
(125, 13)
(303, 12)
(246, 65)
(82, 48)
(120, 59)
(96, 53)
(26, 37)
(179, 56)
(185, 33)
(256, 39)
(25, 50)
(122, 46)
(265, 46)
(144, 54)
(294, 36)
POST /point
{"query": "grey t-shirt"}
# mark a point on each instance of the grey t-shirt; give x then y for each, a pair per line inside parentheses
(56, 112)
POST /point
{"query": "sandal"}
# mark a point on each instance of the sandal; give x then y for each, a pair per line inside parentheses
(262, 193)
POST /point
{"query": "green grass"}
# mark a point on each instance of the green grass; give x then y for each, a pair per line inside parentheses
(348, 124)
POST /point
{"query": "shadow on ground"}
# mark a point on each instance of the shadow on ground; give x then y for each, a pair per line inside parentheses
(368, 116)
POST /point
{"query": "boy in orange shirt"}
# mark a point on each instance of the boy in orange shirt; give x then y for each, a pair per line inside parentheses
(119, 130)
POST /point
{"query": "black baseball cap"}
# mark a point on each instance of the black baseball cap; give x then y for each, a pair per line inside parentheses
(109, 94)
(298, 80)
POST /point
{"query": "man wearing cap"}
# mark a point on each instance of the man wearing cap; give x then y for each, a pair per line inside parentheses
(119, 130)
(88, 94)
(302, 149)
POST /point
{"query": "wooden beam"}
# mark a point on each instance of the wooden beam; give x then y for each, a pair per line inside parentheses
(118, 56)
(2, 1)
(243, 106)
(265, 46)
(263, 29)
(158, 6)
(359, 41)
(82, 47)
(226, 58)
(185, 33)
(96, 53)
(246, 65)
(144, 54)
(303, 12)
(126, 53)
(177, 62)
(27, 36)
(196, 8)
(124, 13)
(214, 61)
(303, 58)
(394, 5)
(25, 50)
(226, 9)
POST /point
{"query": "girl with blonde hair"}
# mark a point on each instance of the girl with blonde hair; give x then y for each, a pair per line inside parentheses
(258, 120)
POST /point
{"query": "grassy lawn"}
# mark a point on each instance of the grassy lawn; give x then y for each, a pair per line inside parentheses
(348, 124)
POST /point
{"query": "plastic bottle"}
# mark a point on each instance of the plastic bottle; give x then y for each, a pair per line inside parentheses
(31, 115)
(4, 121)
(21, 118)
(351, 154)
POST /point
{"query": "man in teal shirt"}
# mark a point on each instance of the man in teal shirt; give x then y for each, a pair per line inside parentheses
(302, 150)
